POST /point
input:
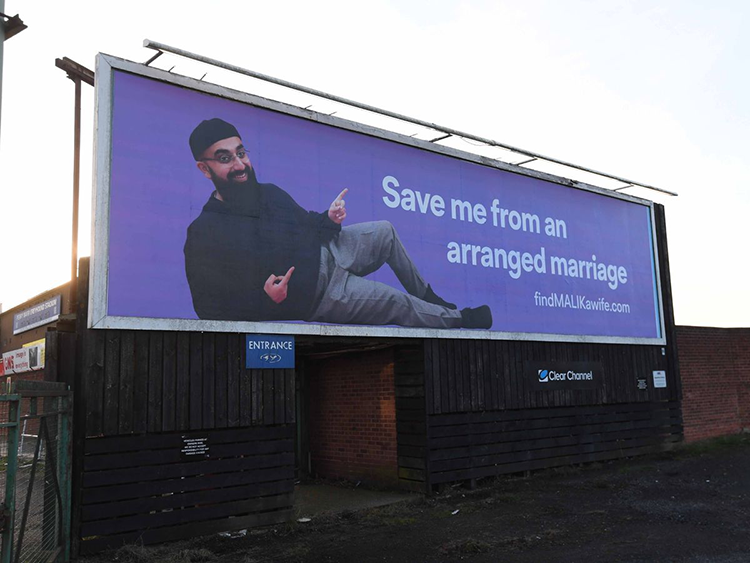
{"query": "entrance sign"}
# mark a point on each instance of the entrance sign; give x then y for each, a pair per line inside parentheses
(552, 259)
(270, 352)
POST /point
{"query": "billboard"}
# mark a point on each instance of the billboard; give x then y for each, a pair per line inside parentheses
(218, 210)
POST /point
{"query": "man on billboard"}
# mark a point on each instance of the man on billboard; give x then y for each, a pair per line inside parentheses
(253, 254)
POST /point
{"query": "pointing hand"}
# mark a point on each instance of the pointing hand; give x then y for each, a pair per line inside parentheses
(276, 286)
(337, 211)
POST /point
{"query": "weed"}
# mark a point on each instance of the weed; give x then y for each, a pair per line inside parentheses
(467, 546)
(712, 445)
(162, 554)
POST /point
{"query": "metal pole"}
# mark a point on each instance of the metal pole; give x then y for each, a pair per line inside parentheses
(77, 73)
(11, 472)
(454, 132)
(2, 42)
(76, 182)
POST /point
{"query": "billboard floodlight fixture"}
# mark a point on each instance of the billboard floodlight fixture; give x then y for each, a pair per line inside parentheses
(440, 138)
(623, 187)
(12, 25)
(525, 161)
(161, 47)
(152, 59)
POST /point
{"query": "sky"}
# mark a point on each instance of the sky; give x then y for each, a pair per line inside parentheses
(657, 92)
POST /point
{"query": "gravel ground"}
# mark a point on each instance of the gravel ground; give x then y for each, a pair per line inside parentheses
(688, 505)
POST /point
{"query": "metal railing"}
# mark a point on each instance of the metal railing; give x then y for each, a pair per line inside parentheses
(35, 472)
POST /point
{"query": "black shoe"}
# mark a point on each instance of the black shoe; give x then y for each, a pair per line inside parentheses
(431, 297)
(476, 317)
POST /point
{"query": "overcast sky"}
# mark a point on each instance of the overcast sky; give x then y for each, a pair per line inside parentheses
(653, 91)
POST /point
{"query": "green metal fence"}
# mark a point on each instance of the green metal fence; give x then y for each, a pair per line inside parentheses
(35, 473)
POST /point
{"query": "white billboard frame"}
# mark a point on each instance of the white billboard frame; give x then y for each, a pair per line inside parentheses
(99, 318)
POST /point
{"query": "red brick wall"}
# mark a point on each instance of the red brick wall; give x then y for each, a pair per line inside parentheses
(352, 418)
(715, 373)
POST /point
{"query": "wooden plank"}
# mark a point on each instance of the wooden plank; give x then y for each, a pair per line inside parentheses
(140, 384)
(428, 379)
(175, 471)
(279, 394)
(209, 371)
(251, 387)
(155, 373)
(127, 380)
(171, 533)
(190, 483)
(481, 373)
(196, 380)
(173, 454)
(234, 373)
(447, 389)
(110, 413)
(490, 392)
(169, 382)
(182, 382)
(193, 514)
(268, 396)
(438, 387)
(122, 444)
(290, 394)
(93, 377)
(146, 504)
(221, 389)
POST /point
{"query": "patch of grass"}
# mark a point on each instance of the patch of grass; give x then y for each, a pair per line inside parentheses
(399, 521)
(505, 497)
(600, 484)
(162, 554)
(399, 514)
(296, 552)
(469, 546)
(713, 445)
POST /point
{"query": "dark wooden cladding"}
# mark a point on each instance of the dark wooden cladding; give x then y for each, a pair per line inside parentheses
(411, 419)
(475, 445)
(143, 488)
(497, 378)
(155, 381)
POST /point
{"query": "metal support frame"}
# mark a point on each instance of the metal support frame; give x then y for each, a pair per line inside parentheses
(161, 47)
(77, 73)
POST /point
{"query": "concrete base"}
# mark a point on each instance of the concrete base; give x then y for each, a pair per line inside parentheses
(311, 500)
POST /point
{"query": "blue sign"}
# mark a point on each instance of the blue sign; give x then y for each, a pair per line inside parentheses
(269, 352)
(37, 315)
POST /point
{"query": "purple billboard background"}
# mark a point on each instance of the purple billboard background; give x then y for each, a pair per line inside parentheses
(156, 191)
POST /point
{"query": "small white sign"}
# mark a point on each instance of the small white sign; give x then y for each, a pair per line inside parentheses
(660, 379)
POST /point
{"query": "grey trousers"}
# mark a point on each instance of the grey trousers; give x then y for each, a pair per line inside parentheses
(344, 296)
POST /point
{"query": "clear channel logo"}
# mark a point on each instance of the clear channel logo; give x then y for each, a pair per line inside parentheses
(547, 375)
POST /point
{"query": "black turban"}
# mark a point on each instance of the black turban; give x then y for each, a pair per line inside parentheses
(208, 132)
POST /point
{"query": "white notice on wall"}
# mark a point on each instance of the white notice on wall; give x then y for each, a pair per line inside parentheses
(660, 379)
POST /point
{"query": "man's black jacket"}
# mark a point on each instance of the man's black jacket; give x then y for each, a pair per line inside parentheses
(232, 249)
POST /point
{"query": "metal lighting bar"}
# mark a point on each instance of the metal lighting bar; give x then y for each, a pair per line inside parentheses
(161, 47)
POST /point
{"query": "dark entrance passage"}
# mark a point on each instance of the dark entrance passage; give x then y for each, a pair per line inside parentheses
(347, 416)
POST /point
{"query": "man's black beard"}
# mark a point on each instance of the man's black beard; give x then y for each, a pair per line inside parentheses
(239, 194)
